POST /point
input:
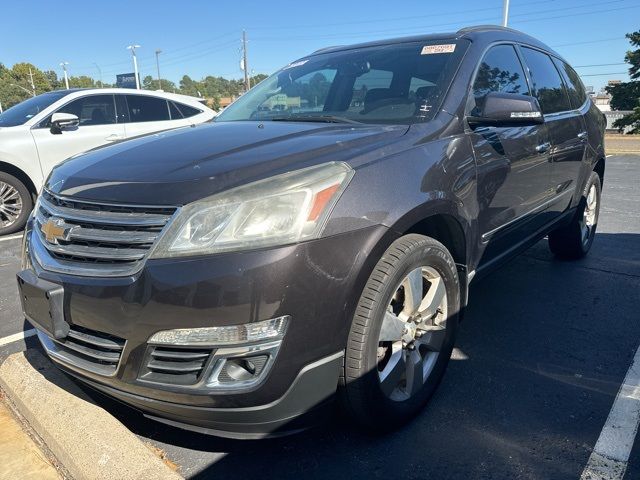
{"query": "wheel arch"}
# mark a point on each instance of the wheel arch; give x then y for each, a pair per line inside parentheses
(446, 229)
(442, 223)
(599, 169)
(20, 175)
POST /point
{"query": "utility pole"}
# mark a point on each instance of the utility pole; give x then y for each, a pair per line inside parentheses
(245, 67)
(66, 77)
(505, 13)
(33, 87)
(158, 52)
(100, 73)
(135, 63)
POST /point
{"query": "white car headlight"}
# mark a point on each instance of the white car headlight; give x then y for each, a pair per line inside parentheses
(280, 210)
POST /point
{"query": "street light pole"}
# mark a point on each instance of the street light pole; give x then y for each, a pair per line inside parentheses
(135, 63)
(505, 13)
(66, 78)
(247, 80)
(158, 52)
(33, 87)
(100, 73)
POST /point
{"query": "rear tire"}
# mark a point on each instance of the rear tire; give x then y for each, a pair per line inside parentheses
(15, 204)
(574, 240)
(395, 359)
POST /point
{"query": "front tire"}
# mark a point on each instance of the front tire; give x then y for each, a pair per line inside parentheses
(15, 204)
(402, 333)
(574, 240)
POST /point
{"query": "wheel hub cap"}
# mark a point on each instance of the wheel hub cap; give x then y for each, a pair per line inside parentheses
(10, 205)
(589, 215)
(412, 333)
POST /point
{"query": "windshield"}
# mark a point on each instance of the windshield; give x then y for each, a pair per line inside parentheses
(392, 84)
(25, 111)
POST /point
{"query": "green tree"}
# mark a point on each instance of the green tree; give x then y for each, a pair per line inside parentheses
(15, 83)
(626, 95)
(189, 86)
(83, 81)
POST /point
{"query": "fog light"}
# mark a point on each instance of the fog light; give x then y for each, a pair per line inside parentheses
(272, 329)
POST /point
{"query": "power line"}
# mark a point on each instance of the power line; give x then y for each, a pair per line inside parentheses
(430, 27)
(588, 41)
(603, 74)
(598, 65)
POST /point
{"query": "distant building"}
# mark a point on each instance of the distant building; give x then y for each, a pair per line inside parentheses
(612, 116)
(602, 100)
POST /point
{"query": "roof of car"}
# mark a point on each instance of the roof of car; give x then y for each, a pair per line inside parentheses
(173, 96)
(474, 33)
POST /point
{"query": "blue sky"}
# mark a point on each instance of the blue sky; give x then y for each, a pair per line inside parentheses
(201, 38)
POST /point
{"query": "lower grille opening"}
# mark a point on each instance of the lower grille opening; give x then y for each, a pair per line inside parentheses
(92, 350)
(175, 365)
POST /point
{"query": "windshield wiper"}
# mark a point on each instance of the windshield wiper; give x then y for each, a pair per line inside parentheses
(314, 118)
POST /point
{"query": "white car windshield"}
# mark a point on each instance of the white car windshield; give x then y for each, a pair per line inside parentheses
(25, 111)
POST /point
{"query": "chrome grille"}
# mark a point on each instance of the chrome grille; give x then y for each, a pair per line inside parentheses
(94, 351)
(90, 238)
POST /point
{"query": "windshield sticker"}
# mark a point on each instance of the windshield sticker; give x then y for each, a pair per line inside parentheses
(433, 49)
(296, 64)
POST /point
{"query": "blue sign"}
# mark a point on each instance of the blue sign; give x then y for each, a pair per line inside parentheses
(126, 80)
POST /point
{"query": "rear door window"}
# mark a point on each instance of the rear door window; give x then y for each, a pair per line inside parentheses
(143, 108)
(547, 83)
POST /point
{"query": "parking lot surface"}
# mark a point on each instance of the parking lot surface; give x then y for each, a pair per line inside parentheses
(540, 357)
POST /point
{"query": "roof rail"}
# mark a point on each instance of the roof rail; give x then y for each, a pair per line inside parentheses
(327, 48)
(479, 28)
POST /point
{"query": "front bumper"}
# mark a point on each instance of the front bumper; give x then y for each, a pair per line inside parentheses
(315, 283)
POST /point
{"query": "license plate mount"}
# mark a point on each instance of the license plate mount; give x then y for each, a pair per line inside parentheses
(43, 304)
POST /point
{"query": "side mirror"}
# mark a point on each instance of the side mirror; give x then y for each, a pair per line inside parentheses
(507, 109)
(63, 121)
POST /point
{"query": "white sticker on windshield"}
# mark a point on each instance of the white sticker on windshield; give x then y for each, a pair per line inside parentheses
(296, 64)
(433, 49)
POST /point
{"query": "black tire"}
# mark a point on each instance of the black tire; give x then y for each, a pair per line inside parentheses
(361, 392)
(573, 241)
(8, 224)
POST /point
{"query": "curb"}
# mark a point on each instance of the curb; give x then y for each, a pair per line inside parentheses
(88, 441)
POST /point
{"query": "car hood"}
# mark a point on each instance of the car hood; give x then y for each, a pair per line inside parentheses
(187, 164)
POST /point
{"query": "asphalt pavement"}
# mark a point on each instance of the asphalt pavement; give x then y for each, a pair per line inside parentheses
(540, 358)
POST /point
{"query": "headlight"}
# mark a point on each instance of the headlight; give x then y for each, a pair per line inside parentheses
(280, 210)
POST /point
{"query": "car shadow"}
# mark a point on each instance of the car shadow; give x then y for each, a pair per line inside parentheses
(538, 360)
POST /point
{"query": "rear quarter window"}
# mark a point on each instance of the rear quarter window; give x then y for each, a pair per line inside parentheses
(575, 88)
(186, 110)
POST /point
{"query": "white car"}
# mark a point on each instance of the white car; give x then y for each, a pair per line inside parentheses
(41, 132)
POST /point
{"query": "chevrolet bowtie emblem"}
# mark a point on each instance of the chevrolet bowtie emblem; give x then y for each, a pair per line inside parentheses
(55, 229)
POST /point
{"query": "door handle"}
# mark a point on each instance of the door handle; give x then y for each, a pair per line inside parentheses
(582, 135)
(113, 137)
(543, 147)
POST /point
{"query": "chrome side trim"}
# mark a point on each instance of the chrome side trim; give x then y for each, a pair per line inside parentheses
(487, 235)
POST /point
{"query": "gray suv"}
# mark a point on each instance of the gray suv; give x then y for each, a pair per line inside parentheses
(317, 240)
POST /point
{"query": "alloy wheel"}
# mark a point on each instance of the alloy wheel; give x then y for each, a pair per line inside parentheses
(590, 214)
(10, 205)
(412, 334)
